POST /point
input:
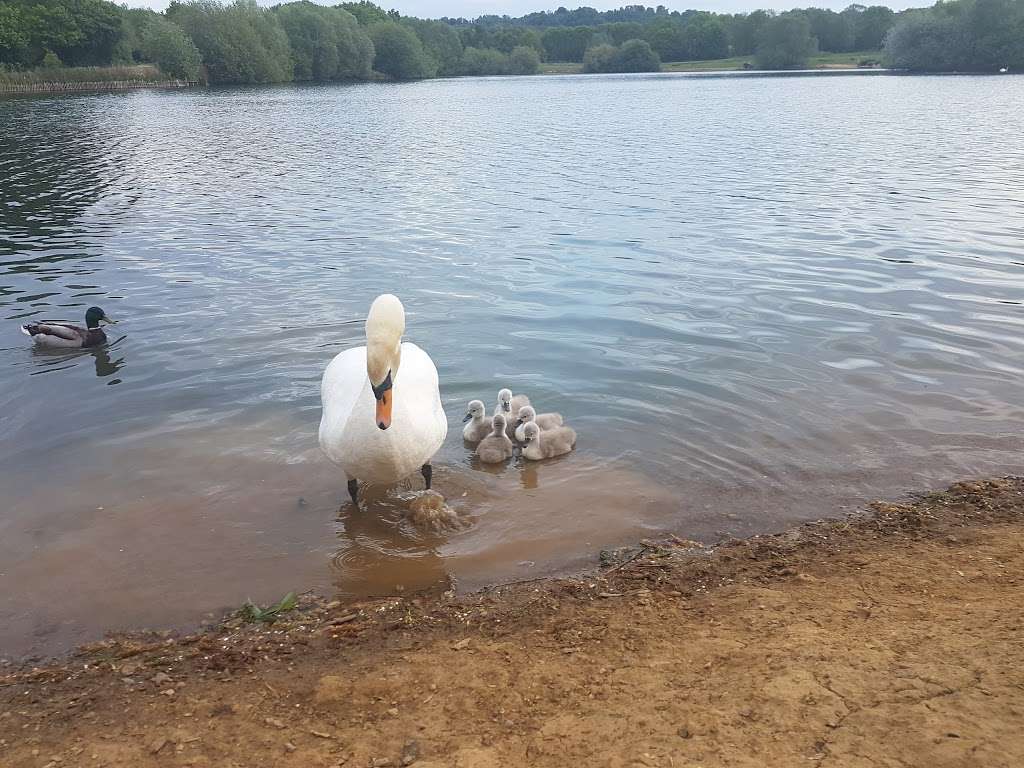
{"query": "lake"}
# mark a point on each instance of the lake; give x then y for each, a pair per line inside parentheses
(758, 300)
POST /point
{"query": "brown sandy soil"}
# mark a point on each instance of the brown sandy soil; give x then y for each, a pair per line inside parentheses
(891, 639)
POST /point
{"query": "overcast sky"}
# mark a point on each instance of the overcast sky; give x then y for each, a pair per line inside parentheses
(429, 9)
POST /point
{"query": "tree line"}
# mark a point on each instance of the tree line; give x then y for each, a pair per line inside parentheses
(243, 42)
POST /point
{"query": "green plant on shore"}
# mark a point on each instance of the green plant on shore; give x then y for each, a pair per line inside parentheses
(253, 613)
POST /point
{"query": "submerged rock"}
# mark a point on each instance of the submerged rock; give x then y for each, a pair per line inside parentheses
(429, 511)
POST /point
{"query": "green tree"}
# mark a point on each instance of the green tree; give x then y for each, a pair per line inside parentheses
(668, 40)
(745, 32)
(704, 37)
(166, 45)
(440, 42)
(786, 43)
(870, 25)
(620, 31)
(326, 43)
(964, 35)
(399, 53)
(14, 35)
(239, 43)
(507, 38)
(368, 14)
(98, 31)
(523, 61)
(835, 31)
(566, 43)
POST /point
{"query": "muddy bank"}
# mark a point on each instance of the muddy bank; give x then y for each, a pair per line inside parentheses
(891, 638)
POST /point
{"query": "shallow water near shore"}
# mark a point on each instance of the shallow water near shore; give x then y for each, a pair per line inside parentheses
(757, 300)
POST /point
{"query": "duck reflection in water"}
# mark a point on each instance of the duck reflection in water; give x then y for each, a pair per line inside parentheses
(106, 365)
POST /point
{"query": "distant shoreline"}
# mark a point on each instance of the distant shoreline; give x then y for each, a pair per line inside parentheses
(21, 89)
(864, 60)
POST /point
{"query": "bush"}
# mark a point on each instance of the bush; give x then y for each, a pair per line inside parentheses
(484, 61)
(523, 61)
(631, 56)
(600, 58)
(786, 43)
(167, 46)
(636, 56)
(399, 53)
(51, 61)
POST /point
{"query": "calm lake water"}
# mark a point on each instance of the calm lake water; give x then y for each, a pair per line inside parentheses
(758, 300)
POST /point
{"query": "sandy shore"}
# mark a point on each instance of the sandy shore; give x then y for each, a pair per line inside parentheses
(890, 639)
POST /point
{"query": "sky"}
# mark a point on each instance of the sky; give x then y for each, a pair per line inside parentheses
(430, 9)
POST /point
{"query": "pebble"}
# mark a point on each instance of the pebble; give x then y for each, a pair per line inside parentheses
(273, 722)
(289, 747)
(410, 752)
(461, 644)
(157, 744)
(160, 678)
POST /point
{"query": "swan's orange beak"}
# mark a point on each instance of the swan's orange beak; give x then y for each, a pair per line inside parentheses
(384, 409)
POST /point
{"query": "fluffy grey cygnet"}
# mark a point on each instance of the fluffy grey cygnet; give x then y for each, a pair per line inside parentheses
(478, 426)
(539, 445)
(496, 447)
(544, 420)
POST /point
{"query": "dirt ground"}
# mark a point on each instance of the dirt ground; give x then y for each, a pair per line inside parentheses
(890, 639)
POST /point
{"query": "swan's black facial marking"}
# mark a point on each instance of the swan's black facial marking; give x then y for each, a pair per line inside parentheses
(384, 386)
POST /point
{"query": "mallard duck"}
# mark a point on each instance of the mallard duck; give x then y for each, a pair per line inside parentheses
(544, 420)
(68, 335)
(382, 415)
(496, 447)
(539, 445)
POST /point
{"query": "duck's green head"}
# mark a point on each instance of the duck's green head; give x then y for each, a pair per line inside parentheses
(94, 316)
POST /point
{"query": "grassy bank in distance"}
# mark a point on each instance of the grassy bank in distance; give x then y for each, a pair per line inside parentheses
(818, 61)
(57, 79)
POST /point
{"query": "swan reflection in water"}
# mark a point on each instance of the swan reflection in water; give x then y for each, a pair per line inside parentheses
(382, 553)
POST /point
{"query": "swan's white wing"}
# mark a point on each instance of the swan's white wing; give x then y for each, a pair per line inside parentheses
(340, 388)
(421, 381)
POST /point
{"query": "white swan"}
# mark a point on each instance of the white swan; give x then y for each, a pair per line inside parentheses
(382, 416)
(544, 421)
